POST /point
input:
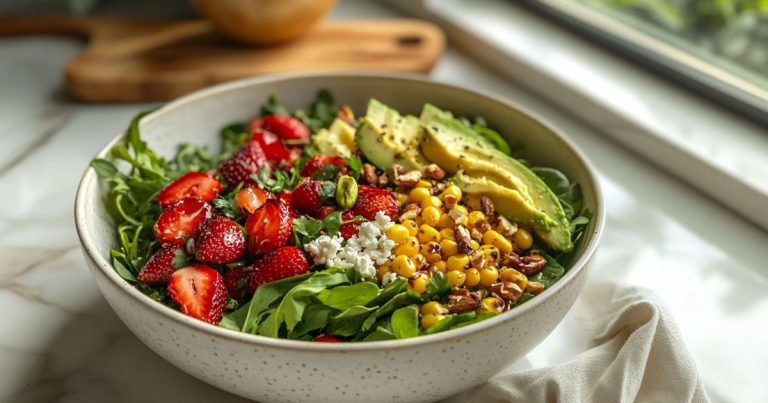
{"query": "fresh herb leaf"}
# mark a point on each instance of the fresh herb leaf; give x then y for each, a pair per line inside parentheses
(396, 302)
(320, 113)
(273, 106)
(316, 317)
(327, 173)
(232, 138)
(405, 322)
(181, 259)
(347, 296)
(274, 181)
(525, 297)
(226, 204)
(552, 272)
(350, 321)
(354, 166)
(439, 286)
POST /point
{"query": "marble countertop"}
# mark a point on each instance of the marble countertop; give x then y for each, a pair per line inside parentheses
(59, 341)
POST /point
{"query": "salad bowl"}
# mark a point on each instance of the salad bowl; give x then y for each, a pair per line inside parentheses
(424, 368)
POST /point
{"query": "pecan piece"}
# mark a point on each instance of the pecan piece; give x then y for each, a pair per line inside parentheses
(410, 212)
(486, 205)
(476, 234)
(507, 291)
(434, 172)
(458, 216)
(463, 239)
(382, 181)
(478, 260)
(505, 227)
(482, 226)
(532, 263)
(462, 300)
(409, 179)
(369, 175)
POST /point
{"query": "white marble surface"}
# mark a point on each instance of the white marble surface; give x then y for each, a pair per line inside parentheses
(60, 342)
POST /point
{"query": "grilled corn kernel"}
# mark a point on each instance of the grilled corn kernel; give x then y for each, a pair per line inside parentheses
(457, 262)
(402, 198)
(522, 239)
(445, 222)
(383, 269)
(456, 277)
(431, 252)
(419, 260)
(411, 226)
(491, 304)
(418, 283)
(428, 233)
(403, 266)
(472, 201)
(434, 308)
(511, 275)
(440, 266)
(452, 190)
(447, 233)
(398, 233)
(475, 244)
(430, 319)
(450, 247)
(473, 217)
(488, 276)
(423, 183)
(463, 209)
(491, 253)
(409, 248)
(473, 277)
(433, 201)
(431, 215)
(418, 194)
(491, 237)
(534, 287)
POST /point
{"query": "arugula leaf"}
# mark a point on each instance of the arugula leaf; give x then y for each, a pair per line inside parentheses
(525, 297)
(405, 322)
(265, 295)
(235, 320)
(347, 296)
(226, 204)
(450, 321)
(493, 137)
(349, 322)
(398, 286)
(193, 158)
(273, 106)
(320, 113)
(232, 138)
(552, 272)
(307, 229)
(354, 166)
(316, 317)
(396, 302)
(276, 180)
(380, 333)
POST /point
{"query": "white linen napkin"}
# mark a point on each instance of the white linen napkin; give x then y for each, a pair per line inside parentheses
(637, 355)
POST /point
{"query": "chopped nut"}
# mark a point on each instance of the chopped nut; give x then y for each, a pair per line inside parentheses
(534, 287)
(507, 291)
(463, 239)
(478, 260)
(434, 172)
(482, 225)
(395, 170)
(410, 212)
(369, 175)
(458, 216)
(450, 201)
(409, 179)
(462, 300)
(346, 114)
(486, 205)
(476, 234)
(439, 187)
(383, 180)
(532, 263)
(505, 227)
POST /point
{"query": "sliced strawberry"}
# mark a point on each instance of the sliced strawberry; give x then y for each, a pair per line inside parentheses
(371, 200)
(349, 229)
(200, 292)
(219, 240)
(251, 198)
(236, 280)
(159, 267)
(286, 127)
(181, 220)
(273, 148)
(285, 198)
(318, 162)
(324, 338)
(324, 211)
(196, 185)
(308, 196)
(243, 163)
(268, 228)
(256, 125)
(287, 261)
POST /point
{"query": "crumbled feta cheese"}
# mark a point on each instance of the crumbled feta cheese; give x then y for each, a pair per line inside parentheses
(368, 247)
(388, 278)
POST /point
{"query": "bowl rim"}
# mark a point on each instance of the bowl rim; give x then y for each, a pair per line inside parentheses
(85, 188)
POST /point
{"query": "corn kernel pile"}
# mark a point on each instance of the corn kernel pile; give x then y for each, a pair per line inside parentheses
(429, 242)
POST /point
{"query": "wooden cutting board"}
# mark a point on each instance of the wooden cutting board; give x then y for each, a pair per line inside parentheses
(140, 60)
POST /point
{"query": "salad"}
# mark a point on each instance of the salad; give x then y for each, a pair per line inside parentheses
(320, 225)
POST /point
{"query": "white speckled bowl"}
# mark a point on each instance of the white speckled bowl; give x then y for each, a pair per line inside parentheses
(420, 369)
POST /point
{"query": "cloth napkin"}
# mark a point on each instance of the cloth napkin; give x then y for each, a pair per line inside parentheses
(637, 355)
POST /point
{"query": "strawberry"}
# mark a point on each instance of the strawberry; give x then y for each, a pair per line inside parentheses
(159, 266)
(219, 240)
(286, 127)
(287, 261)
(318, 162)
(272, 146)
(324, 338)
(256, 125)
(268, 228)
(181, 220)
(236, 279)
(243, 163)
(285, 198)
(324, 211)
(348, 229)
(196, 185)
(200, 292)
(251, 198)
(371, 200)
(308, 196)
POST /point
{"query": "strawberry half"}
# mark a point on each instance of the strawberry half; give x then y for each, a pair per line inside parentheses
(236, 281)
(181, 220)
(371, 200)
(281, 263)
(272, 146)
(349, 229)
(219, 240)
(200, 292)
(318, 162)
(251, 199)
(268, 228)
(243, 163)
(286, 127)
(324, 338)
(159, 267)
(196, 185)
(308, 196)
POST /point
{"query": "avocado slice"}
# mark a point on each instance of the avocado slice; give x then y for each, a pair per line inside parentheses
(516, 191)
(386, 138)
(338, 140)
